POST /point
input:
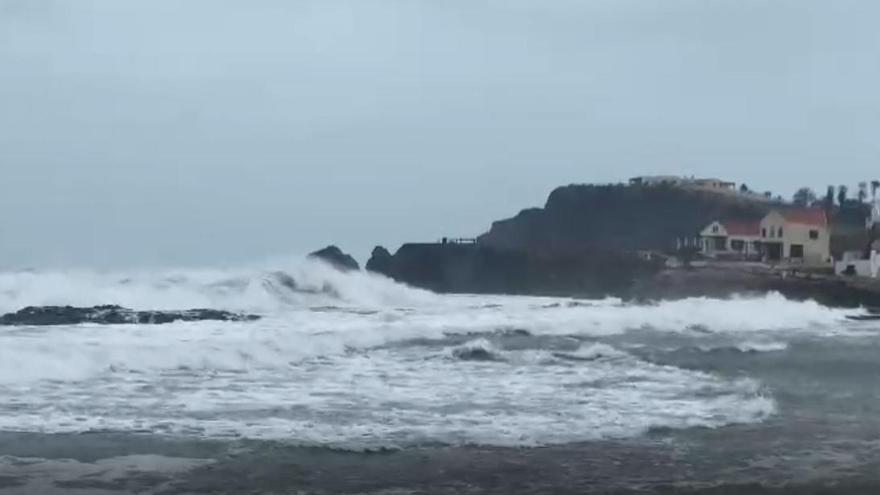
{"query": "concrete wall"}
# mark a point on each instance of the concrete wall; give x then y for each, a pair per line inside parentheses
(861, 267)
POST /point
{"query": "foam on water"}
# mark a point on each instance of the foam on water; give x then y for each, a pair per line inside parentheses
(355, 360)
(399, 397)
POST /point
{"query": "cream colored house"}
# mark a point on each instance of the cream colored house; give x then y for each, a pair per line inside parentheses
(796, 236)
(735, 239)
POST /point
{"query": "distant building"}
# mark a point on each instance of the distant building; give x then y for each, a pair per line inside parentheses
(796, 236)
(715, 184)
(737, 239)
(658, 180)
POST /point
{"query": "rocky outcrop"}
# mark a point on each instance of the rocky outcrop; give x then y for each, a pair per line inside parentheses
(618, 217)
(380, 261)
(336, 258)
(471, 268)
(113, 315)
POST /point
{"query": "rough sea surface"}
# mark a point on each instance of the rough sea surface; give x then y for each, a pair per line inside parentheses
(353, 384)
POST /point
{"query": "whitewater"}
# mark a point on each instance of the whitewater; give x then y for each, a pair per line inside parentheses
(356, 361)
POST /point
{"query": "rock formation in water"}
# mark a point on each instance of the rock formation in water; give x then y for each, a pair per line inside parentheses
(472, 268)
(380, 261)
(113, 315)
(336, 258)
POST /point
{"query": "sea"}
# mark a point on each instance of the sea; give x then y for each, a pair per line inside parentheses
(352, 383)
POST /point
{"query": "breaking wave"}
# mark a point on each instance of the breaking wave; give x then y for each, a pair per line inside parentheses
(263, 289)
(356, 360)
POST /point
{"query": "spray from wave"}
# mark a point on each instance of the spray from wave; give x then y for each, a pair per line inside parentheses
(263, 289)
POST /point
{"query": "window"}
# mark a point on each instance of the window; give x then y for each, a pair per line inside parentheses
(738, 245)
(780, 231)
(714, 229)
(797, 251)
(814, 234)
(763, 232)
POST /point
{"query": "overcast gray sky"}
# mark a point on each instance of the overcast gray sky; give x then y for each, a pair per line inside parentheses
(145, 132)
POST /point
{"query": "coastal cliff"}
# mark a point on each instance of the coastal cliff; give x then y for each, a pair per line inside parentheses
(614, 240)
(618, 217)
(586, 241)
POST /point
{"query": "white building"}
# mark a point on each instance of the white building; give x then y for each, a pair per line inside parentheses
(796, 236)
(738, 239)
(854, 263)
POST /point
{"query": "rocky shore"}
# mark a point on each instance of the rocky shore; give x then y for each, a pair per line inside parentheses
(479, 269)
(113, 315)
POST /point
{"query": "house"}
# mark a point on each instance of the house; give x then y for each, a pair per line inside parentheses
(733, 238)
(796, 235)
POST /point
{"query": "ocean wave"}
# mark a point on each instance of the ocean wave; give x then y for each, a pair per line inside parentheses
(264, 289)
(393, 398)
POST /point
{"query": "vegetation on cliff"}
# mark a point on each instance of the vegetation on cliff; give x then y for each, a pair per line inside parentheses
(619, 217)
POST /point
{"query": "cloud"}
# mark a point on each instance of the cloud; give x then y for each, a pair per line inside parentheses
(213, 131)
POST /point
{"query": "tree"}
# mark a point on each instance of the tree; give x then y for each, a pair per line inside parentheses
(863, 191)
(842, 192)
(875, 185)
(829, 199)
(744, 188)
(804, 197)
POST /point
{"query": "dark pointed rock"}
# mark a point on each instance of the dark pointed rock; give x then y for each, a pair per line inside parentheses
(380, 261)
(336, 258)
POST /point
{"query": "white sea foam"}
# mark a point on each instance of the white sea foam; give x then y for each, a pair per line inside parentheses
(330, 364)
(396, 397)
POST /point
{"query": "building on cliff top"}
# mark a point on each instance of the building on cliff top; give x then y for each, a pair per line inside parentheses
(713, 185)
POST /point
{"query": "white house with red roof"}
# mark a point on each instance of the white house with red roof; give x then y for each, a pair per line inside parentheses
(796, 236)
(732, 239)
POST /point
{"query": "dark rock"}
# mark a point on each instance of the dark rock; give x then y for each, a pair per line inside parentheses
(473, 268)
(336, 258)
(474, 354)
(113, 315)
(380, 260)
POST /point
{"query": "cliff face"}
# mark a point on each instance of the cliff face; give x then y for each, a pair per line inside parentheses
(617, 217)
(584, 243)
(468, 268)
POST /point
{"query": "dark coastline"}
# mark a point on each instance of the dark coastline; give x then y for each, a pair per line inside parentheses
(596, 274)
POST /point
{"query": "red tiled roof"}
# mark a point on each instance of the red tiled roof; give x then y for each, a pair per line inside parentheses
(810, 216)
(742, 228)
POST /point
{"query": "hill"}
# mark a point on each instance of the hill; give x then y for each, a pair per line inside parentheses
(618, 217)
